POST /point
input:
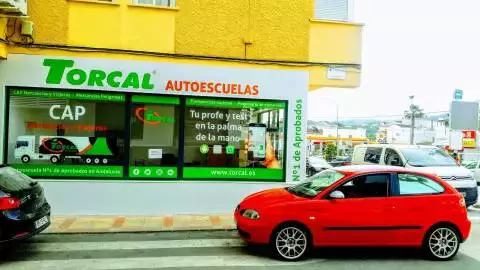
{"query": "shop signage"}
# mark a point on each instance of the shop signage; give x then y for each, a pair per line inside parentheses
(67, 112)
(151, 117)
(95, 77)
(469, 139)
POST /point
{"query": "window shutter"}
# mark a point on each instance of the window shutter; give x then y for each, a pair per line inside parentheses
(331, 10)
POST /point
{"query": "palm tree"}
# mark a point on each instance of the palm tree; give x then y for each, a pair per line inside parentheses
(414, 112)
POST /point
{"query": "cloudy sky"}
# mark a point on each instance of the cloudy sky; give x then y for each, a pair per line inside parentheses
(425, 48)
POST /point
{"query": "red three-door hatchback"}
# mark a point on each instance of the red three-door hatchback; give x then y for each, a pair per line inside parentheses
(361, 206)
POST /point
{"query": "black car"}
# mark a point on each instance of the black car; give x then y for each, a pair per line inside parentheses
(24, 211)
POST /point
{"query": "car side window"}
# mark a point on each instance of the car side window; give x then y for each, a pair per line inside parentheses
(366, 186)
(392, 158)
(412, 184)
(373, 154)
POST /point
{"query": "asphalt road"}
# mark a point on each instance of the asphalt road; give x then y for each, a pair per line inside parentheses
(208, 250)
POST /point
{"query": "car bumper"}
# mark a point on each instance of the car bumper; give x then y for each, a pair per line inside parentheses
(471, 195)
(252, 231)
(13, 229)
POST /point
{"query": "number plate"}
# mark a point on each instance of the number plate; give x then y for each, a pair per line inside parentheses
(41, 222)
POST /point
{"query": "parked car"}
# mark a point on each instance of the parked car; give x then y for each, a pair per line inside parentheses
(357, 206)
(341, 161)
(24, 211)
(429, 159)
(316, 164)
(474, 166)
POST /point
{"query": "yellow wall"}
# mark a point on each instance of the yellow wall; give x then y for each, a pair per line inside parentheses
(277, 29)
(335, 42)
(3, 46)
(121, 25)
(51, 20)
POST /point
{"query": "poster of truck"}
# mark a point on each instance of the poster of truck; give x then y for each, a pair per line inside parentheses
(90, 150)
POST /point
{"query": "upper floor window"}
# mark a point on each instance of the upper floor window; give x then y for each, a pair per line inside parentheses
(164, 3)
(337, 10)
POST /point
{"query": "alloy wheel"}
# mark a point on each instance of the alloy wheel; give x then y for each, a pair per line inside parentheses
(291, 243)
(443, 243)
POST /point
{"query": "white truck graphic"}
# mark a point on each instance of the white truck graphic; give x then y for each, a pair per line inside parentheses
(91, 150)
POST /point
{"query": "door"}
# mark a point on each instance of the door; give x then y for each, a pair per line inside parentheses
(416, 205)
(362, 218)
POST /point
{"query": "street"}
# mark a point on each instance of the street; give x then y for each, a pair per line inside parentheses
(207, 250)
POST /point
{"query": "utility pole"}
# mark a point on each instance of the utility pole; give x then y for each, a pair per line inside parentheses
(338, 139)
(412, 116)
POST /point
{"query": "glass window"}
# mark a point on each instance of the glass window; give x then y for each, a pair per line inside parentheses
(373, 154)
(12, 180)
(471, 165)
(411, 184)
(154, 137)
(366, 186)
(167, 3)
(233, 139)
(427, 157)
(81, 133)
(316, 183)
(392, 158)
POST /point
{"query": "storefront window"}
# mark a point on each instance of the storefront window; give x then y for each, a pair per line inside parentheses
(66, 134)
(233, 139)
(154, 137)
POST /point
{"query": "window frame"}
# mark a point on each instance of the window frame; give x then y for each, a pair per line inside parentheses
(171, 3)
(125, 163)
(396, 186)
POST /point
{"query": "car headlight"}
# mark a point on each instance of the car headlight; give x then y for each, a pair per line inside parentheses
(250, 214)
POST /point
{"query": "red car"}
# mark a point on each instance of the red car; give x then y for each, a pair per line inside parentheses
(361, 206)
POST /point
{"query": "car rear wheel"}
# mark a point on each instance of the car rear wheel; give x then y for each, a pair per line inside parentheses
(290, 242)
(441, 243)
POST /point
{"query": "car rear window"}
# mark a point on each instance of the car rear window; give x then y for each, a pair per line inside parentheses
(12, 180)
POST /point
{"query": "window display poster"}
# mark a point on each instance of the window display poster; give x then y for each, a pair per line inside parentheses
(224, 138)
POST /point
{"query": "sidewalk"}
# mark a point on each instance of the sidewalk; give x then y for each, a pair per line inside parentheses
(92, 224)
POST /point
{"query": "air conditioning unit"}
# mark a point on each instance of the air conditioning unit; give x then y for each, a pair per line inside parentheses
(13, 7)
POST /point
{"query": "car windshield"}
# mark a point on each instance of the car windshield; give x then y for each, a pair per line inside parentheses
(427, 157)
(316, 183)
(318, 161)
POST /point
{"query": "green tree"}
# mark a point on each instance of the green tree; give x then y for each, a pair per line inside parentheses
(412, 114)
(330, 151)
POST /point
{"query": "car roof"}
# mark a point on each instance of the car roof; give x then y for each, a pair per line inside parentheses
(370, 169)
(399, 146)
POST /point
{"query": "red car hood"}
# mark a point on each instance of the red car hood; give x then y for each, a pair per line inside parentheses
(268, 197)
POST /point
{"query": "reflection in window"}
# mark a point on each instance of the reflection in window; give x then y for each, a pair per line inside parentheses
(411, 184)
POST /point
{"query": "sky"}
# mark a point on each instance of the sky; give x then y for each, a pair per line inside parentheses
(426, 48)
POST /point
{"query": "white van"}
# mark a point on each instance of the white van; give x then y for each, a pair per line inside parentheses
(428, 159)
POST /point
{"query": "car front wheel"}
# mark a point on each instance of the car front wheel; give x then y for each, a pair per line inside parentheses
(442, 243)
(290, 242)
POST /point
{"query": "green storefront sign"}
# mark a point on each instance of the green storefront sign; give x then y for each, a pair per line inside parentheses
(64, 71)
(70, 170)
(247, 174)
(152, 172)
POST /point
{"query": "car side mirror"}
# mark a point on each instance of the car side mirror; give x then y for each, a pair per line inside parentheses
(337, 195)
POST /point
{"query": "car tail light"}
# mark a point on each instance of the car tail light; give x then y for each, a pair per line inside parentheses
(8, 203)
(462, 202)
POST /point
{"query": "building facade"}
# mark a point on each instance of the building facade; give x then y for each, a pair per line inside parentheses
(139, 107)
